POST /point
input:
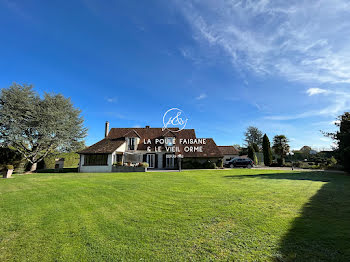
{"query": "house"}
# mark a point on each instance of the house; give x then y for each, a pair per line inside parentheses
(228, 153)
(161, 149)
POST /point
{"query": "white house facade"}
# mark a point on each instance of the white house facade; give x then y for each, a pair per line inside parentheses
(132, 146)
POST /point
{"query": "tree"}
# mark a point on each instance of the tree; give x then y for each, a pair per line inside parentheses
(255, 159)
(237, 147)
(305, 150)
(267, 151)
(255, 147)
(342, 138)
(280, 146)
(253, 136)
(37, 127)
(251, 152)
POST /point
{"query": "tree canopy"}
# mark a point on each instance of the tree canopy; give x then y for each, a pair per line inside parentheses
(251, 152)
(280, 145)
(267, 151)
(305, 150)
(253, 136)
(342, 138)
(37, 127)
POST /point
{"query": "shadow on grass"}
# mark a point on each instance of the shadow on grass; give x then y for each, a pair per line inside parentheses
(322, 231)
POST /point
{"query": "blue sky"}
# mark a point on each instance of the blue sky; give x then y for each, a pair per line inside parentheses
(283, 66)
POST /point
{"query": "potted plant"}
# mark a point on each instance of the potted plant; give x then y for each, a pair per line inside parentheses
(9, 171)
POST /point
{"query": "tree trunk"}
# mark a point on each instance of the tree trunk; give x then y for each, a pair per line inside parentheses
(33, 167)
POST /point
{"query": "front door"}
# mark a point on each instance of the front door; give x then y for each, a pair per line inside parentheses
(151, 160)
(169, 161)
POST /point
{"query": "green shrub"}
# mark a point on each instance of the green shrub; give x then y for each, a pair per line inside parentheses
(255, 159)
(60, 170)
(143, 164)
(9, 167)
(274, 164)
(8, 155)
(220, 163)
(187, 165)
(209, 165)
(288, 164)
(280, 161)
(196, 165)
(332, 161)
(297, 164)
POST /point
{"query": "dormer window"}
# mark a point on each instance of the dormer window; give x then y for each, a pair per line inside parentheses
(169, 141)
(131, 143)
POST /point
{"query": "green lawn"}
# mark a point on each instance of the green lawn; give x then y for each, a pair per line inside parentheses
(241, 215)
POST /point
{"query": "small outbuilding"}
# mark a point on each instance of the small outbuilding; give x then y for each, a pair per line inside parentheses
(229, 152)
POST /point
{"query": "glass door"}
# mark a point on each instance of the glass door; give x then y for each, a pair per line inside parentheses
(169, 161)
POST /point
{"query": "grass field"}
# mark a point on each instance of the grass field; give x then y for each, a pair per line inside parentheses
(241, 215)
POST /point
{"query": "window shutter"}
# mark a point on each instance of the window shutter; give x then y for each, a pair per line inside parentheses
(175, 162)
(156, 161)
(164, 160)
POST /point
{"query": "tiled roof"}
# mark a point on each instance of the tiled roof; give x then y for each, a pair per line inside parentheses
(105, 146)
(116, 138)
(149, 133)
(228, 150)
(210, 149)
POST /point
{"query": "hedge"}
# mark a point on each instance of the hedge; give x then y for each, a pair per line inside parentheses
(70, 160)
(60, 170)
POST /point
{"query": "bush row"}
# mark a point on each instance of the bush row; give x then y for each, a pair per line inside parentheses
(60, 170)
(197, 165)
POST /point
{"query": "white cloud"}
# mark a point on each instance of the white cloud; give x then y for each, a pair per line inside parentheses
(277, 37)
(339, 101)
(111, 99)
(201, 96)
(315, 91)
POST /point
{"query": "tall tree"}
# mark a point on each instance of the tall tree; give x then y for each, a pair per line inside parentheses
(305, 150)
(280, 146)
(267, 151)
(253, 136)
(251, 152)
(256, 147)
(37, 127)
(342, 137)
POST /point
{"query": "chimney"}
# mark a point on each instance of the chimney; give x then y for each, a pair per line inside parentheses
(106, 128)
(147, 126)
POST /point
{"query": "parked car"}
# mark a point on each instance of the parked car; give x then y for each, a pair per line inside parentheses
(240, 162)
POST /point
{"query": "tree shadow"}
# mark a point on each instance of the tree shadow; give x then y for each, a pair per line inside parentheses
(322, 231)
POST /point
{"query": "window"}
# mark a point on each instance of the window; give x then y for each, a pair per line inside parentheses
(117, 158)
(169, 141)
(96, 160)
(151, 160)
(131, 144)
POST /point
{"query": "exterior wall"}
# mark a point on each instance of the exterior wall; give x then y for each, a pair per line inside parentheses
(95, 169)
(122, 149)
